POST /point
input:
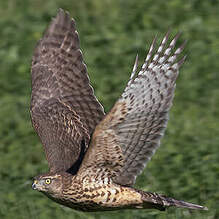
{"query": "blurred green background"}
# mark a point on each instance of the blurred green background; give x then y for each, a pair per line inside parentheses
(111, 33)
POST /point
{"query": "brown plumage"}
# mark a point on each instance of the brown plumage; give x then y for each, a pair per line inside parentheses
(94, 159)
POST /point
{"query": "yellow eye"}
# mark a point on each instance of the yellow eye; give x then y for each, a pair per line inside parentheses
(48, 181)
(35, 181)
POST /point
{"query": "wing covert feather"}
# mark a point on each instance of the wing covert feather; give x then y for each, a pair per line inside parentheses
(139, 117)
(64, 109)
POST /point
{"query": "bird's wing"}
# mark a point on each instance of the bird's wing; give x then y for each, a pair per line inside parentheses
(64, 108)
(125, 140)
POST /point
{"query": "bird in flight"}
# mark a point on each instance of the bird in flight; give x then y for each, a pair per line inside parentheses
(94, 158)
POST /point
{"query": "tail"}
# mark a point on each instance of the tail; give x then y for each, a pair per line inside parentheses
(161, 202)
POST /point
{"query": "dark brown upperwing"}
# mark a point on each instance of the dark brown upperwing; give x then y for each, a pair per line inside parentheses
(64, 108)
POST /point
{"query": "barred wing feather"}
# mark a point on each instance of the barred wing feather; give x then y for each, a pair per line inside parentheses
(131, 132)
(64, 109)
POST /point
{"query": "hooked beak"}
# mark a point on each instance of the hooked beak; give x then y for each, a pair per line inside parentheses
(34, 185)
(37, 185)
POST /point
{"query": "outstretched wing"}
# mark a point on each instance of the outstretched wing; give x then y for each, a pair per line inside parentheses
(64, 109)
(128, 136)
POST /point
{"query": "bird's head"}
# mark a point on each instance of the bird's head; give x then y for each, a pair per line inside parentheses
(48, 183)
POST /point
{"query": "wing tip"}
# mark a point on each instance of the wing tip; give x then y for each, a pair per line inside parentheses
(62, 12)
(135, 65)
(63, 19)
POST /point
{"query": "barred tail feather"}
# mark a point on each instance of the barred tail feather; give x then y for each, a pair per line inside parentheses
(163, 201)
(182, 204)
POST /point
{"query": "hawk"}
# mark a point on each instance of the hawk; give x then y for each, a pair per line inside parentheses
(94, 158)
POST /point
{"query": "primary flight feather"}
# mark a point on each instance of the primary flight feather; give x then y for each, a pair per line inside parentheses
(94, 158)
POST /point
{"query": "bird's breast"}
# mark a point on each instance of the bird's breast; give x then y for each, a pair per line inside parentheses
(100, 194)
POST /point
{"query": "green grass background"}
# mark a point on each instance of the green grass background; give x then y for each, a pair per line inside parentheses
(186, 166)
